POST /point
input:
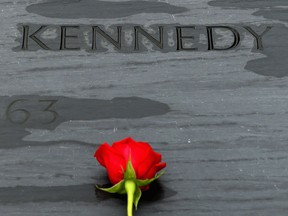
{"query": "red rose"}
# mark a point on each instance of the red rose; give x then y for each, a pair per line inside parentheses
(131, 167)
(145, 161)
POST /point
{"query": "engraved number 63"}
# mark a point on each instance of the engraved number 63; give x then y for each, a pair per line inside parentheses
(27, 114)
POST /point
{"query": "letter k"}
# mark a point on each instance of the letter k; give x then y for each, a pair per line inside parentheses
(34, 37)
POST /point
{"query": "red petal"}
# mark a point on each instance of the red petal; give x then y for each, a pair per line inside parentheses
(140, 151)
(132, 150)
(99, 155)
(150, 173)
(160, 166)
(147, 168)
(123, 147)
(113, 161)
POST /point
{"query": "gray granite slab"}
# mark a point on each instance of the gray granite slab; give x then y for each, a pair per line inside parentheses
(219, 118)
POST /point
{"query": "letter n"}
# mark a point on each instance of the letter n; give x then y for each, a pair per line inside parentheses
(158, 43)
(96, 29)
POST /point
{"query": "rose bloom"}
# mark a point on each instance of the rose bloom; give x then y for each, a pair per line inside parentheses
(145, 161)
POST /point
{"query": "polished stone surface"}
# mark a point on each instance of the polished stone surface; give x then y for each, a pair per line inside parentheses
(218, 117)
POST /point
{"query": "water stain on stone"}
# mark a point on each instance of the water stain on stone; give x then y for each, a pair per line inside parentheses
(75, 193)
(275, 64)
(248, 4)
(24, 194)
(155, 193)
(47, 112)
(75, 9)
(275, 43)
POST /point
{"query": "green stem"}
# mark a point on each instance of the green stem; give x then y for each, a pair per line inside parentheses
(130, 187)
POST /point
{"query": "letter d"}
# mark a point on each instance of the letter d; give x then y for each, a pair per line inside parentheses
(210, 37)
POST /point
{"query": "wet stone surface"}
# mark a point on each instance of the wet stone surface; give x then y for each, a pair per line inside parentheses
(275, 41)
(218, 113)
